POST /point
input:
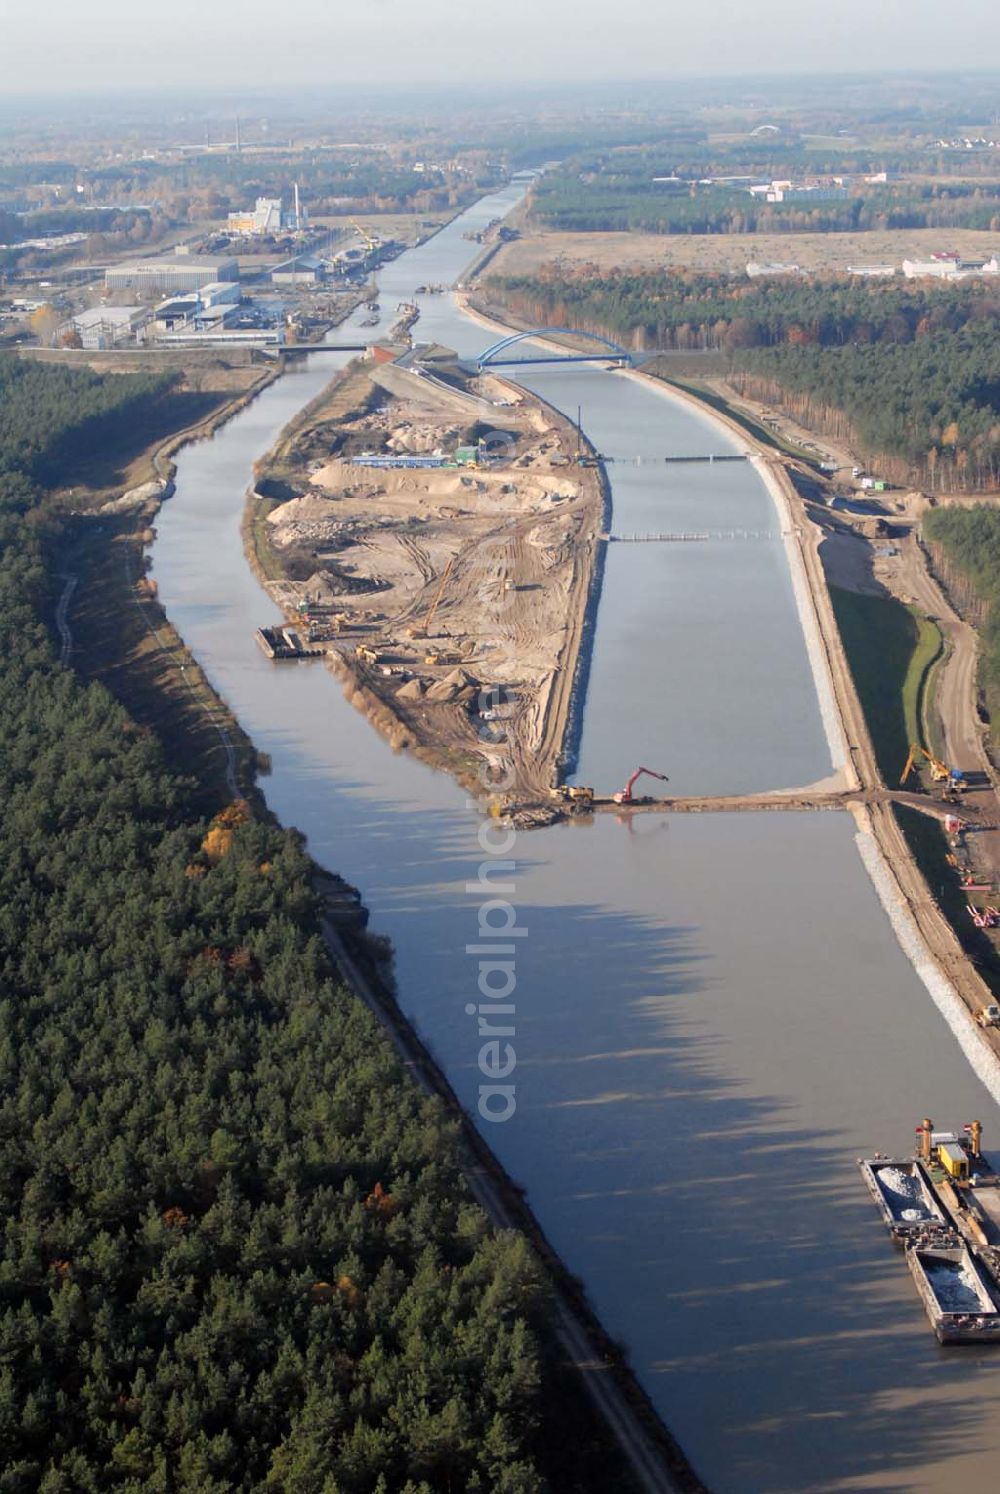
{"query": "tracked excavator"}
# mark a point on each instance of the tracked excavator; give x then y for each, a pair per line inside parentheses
(625, 796)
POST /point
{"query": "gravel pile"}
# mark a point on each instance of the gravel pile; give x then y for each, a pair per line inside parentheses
(903, 1193)
(954, 1286)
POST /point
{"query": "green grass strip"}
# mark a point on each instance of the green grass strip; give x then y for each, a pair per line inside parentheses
(891, 650)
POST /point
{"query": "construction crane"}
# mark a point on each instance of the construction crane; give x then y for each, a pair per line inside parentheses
(370, 241)
(940, 772)
(625, 796)
(424, 628)
(432, 609)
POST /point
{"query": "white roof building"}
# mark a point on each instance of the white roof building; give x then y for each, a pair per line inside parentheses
(950, 267)
(108, 326)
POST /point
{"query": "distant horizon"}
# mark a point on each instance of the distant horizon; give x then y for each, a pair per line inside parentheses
(398, 88)
(57, 46)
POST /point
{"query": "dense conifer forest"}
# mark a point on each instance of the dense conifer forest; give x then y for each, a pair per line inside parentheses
(618, 192)
(966, 545)
(52, 417)
(925, 413)
(910, 372)
(236, 1251)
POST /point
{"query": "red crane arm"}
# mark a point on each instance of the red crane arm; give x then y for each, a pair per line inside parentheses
(650, 772)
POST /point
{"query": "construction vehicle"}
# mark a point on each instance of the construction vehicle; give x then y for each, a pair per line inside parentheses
(443, 656)
(625, 796)
(989, 1015)
(575, 793)
(365, 654)
(371, 243)
(953, 778)
(421, 630)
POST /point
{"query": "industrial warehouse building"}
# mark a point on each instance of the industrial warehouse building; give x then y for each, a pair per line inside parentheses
(180, 272)
(268, 217)
(210, 308)
(949, 267)
(305, 269)
(108, 326)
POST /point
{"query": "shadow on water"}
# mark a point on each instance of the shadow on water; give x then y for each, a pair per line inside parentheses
(712, 1018)
(729, 1244)
(778, 1324)
(776, 1316)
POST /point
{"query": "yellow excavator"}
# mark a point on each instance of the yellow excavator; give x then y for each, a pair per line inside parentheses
(940, 772)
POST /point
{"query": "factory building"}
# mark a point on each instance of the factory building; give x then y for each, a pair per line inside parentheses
(788, 191)
(108, 326)
(268, 217)
(180, 272)
(949, 267)
(756, 269)
(304, 269)
(265, 218)
(206, 310)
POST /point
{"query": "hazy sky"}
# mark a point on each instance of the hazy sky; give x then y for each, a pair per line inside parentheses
(63, 44)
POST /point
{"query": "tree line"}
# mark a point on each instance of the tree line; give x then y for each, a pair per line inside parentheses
(692, 310)
(926, 412)
(966, 546)
(907, 372)
(236, 1248)
(613, 197)
(52, 418)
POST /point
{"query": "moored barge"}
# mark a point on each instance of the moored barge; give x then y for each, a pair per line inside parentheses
(905, 1197)
(285, 643)
(960, 1300)
(943, 1206)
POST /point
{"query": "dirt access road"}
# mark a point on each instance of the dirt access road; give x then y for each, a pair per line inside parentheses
(956, 686)
(910, 579)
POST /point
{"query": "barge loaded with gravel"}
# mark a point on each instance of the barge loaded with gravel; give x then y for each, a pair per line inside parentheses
(943, 1207)
(960, 1299)
(905, 1198)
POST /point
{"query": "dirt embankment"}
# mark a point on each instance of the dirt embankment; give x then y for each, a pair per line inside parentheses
(113, 627)
(436, 537)
(901, 879)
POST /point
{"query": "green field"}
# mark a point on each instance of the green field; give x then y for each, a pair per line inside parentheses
(891, 650)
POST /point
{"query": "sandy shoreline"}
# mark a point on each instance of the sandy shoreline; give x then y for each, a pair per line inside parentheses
(504, 555)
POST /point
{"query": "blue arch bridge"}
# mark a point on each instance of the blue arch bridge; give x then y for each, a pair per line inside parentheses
(605, 350)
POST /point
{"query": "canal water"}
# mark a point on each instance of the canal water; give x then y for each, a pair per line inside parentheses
(713, 1017)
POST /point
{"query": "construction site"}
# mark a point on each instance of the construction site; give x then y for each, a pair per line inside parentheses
(434, 534)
